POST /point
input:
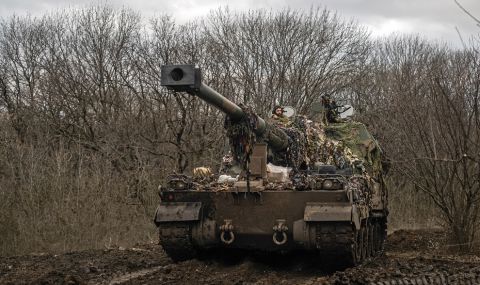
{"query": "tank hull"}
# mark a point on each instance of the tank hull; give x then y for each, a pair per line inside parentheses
(268, 221)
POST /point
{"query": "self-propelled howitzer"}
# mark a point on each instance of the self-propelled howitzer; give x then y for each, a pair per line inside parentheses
(306, 185)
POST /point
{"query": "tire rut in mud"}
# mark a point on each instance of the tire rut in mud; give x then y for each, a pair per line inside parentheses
(412, 257)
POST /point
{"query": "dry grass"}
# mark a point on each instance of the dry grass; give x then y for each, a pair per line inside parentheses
(69, 199)
(410, 209)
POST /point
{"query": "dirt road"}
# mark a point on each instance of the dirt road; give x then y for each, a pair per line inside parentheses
(412, 257)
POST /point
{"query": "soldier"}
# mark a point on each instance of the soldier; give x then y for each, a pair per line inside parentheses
(331, 109)
(278, 116)
(228, 166)
(227, 163)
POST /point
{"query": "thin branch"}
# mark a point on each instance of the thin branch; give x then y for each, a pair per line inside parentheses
(461, 38)
(467, 12)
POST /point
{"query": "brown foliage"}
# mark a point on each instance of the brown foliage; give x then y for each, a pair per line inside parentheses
(424, 103)
(88, 133)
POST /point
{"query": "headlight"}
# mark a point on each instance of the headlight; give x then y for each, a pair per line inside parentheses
(180, 185)
(327, 184)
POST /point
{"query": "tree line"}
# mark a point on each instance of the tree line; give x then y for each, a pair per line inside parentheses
(88, 133)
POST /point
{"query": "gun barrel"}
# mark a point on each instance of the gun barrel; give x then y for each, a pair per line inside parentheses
(187, 78)
(212, 97)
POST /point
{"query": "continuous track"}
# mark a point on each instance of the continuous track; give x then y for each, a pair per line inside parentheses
(176, 240)
(349, 245)
(335, 240)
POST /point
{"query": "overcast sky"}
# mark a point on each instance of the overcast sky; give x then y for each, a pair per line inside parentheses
(434, 19)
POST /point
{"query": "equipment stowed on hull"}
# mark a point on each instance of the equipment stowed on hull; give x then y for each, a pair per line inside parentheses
(331, 198)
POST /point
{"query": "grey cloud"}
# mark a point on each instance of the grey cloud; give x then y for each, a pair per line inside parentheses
(434, 19)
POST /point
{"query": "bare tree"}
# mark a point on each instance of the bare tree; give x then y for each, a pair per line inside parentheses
(424, 103)
(468, 13)
(87, 124)
(287, 57)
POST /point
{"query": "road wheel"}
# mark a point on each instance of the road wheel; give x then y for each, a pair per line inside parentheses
(376, 238)
(383, 236)
(371, 240)
(357, 247)
(364, 243)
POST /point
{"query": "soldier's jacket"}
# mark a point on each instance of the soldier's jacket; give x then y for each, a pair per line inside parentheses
(280, 120)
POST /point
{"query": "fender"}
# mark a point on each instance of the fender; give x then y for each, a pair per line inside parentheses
(177, 212)
(332, 212)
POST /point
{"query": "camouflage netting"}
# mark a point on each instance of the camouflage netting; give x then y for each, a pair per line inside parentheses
(241, 136)
(358, 143)
(345, 145)
(295, 154)
(317, 147)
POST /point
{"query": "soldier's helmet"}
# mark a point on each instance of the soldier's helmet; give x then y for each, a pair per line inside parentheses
(227, 159)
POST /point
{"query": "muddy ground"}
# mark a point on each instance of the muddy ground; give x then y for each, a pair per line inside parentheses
(412, 257)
